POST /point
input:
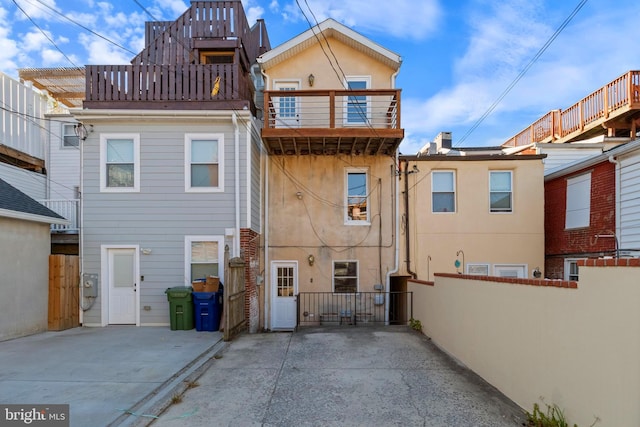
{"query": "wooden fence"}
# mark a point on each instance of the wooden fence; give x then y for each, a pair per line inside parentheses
(64, 292)
(234, 319)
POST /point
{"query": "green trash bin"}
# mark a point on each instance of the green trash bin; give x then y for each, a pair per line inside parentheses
(180, 308)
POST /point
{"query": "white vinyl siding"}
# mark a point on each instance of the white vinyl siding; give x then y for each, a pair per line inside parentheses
(578, 201)
(204, 163)
(119, 162)
(630, 204)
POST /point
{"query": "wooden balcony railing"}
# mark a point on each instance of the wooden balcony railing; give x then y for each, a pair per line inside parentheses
(168, 86)
(616, 98)
(332, 121)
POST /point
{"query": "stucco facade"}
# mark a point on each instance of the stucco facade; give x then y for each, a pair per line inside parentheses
(471, 238)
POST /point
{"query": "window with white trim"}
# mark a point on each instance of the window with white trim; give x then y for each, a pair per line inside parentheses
(345, 277)
(357, 108)
(443, 191)
(69, 136)
(357, 199)
(119, 162)
(578, 201)
(203, 257)
(204, 165)
(477, 269)
(571, 269)
(500, 191)
(510, 270)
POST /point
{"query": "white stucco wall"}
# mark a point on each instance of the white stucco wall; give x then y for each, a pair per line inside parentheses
(24, 282)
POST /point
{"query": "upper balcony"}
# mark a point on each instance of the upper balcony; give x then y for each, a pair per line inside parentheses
(169, 87)
(612, 108)
(330, 122)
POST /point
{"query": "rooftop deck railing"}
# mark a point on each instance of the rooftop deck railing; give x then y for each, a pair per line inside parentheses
(613, 99)
(129, 86)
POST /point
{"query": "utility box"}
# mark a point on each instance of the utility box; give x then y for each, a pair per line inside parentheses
(180, 307)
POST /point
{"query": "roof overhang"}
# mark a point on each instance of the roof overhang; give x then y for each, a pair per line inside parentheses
(6, 213)
(329, 28)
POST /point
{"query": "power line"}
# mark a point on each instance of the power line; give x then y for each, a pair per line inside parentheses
(522, 73)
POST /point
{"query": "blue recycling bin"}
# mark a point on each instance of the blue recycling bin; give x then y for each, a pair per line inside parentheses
(208, 310)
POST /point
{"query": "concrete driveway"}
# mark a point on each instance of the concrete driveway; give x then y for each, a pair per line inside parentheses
(346, 376)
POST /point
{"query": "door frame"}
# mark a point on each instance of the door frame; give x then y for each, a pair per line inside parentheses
(274, 287)
(104, 288)
(291, 122)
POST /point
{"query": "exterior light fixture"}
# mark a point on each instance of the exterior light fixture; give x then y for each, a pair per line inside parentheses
(299, 195)
(81, 131)
(311, 259)
(312, 79)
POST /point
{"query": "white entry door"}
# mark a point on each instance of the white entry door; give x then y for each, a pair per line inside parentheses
(287, 108)
(122, 286)
(284, 286)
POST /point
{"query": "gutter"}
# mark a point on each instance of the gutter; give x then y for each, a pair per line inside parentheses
(618, 228)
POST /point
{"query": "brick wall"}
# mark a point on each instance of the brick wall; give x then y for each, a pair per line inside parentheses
(250, 246)
(578, 243)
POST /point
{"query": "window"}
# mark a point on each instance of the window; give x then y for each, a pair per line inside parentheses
(510, 270)
(204, 162)
(357, 200)
(478, 269)
(286, 281)
(578, 201)
(119, 163)
(443, 191)
(500, 193)
(217, 57)
(69, 137)
(345, 277)
(204, 256)
(571, 269)
(357, 108)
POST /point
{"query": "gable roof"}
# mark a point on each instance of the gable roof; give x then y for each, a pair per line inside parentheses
(15, 204)
(329, 28)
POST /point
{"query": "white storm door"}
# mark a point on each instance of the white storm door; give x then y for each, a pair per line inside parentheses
(122, 286)
(284, 286)
(287, 108)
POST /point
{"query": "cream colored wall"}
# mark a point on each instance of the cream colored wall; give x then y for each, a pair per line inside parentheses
(24, 280)
(314, 61)
(315, 223)
(484, 237)
(576, 348)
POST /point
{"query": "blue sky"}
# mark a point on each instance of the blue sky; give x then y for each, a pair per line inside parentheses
(458, 56)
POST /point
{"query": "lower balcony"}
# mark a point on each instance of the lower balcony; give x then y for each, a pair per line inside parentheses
(330, 122)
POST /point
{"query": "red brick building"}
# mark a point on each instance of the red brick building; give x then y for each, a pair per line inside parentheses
(580, 220)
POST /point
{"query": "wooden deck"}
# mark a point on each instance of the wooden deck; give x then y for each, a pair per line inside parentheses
(613, 110)
(329, 122)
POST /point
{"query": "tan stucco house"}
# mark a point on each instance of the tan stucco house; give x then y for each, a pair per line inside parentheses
(330, 188)
(472, 214)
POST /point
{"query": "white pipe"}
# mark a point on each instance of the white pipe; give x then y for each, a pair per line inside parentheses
(618, 228)
(267, 269)
(236, 132)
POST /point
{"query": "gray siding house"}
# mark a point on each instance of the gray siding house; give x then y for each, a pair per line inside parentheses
(171, 166)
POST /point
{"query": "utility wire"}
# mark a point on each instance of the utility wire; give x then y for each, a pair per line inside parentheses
(522, 73)
(44, 33)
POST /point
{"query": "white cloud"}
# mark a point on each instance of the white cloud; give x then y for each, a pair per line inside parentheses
(176, 8)
(401, 18)
(36, 10)
(35, 40)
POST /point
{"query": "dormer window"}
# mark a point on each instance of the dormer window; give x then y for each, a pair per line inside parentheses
(217, 57)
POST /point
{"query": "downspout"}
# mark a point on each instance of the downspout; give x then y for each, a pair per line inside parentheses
(267, 268)
(406, 219)
(618, 229)
(236, 133)
(396, 227)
